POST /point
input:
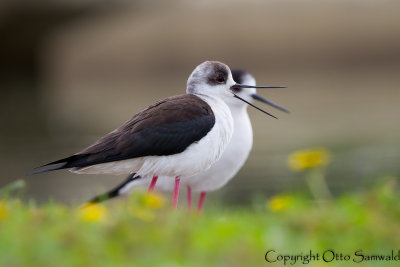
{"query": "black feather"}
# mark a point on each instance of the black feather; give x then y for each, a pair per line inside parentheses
(51, 168)
(165, 128)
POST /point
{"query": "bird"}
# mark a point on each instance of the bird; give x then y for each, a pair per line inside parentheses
(178, 136)
(224, 169)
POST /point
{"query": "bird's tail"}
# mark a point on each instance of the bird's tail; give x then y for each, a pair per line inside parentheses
(51, 168)
(64, 163)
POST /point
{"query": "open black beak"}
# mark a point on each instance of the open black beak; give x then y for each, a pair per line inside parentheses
(266, 101)
(237, 85)
(254, 106)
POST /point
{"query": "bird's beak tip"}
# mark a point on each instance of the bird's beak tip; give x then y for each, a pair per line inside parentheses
(254, 106)
(266, 101)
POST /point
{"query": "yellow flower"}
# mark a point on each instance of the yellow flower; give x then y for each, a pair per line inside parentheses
(3, 210)
(143, 214)
(93, 213)
(153, 201)
(278, 203)
(308, 158)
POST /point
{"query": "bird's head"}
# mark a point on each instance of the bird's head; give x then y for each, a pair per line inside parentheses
(215, 79)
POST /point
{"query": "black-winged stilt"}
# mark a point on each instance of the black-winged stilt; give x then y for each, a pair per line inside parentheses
(179, 136)
(226, 167)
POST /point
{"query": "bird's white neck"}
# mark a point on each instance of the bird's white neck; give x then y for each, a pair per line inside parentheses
(223, 120)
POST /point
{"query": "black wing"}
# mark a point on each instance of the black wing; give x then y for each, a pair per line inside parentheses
(165, 128)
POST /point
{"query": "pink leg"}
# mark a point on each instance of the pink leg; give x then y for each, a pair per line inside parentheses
(201, 201)
(189, 191)
(176, 193)
(152, 184)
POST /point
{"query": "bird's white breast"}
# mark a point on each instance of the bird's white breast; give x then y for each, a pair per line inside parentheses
(232, 159)
(200, 155)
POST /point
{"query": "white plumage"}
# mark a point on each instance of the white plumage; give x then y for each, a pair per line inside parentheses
(232, 159)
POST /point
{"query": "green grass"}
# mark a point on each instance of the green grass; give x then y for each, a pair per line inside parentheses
(139, 231)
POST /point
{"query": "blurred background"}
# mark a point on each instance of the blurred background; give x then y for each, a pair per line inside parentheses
(71, 71)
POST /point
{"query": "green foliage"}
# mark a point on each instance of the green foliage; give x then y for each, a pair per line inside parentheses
(143, 231)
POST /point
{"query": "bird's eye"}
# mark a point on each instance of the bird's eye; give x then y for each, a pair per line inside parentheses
(220, 79)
